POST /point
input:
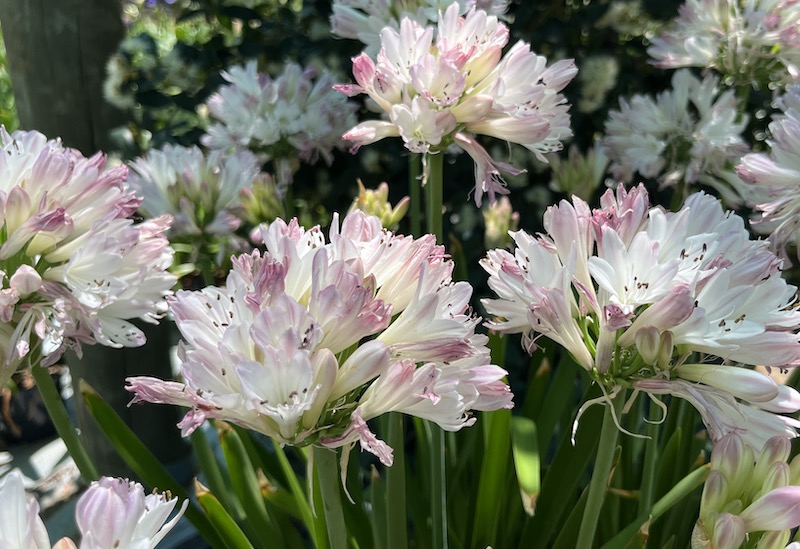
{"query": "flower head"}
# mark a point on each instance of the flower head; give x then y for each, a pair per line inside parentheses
(202, 194)
(74, 266)
(751, 43)
(439, 87)
(363, 20)
(288, 119)
(630, 292)
(311, 339)
(116, 512)
(777, 176)
(691, 133)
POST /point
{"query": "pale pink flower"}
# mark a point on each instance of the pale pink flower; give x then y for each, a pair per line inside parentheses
(20, 524)
(442, 86)
(116, 512)
(749, 42)
(75, 266)
(305, 340)
(777, 175)
(292, 118)
(629, 292)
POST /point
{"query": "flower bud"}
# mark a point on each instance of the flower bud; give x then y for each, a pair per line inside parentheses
(729, 532)
(734, 459)
(740, 382)
(26, 280)
(648, 343)
(777, 510)
(776, 538)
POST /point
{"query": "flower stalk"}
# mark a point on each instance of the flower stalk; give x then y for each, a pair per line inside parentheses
(602, 467)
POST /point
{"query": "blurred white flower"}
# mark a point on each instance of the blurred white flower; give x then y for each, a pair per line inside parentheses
(690, 133)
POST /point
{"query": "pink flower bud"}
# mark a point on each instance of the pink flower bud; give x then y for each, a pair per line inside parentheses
(26, 280)
(729, 532)
(777, 510)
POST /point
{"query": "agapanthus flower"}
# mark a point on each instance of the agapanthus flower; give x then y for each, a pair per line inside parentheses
(75, 267)
(311, 339)
(691, 133)
(20, 524)
(376, 202)
(749, 496)
(117, 513)
(202, 194)
(439, 87)
(750, 42)
(631, 292)
(288, 119)
(777, 175)
(363, 20)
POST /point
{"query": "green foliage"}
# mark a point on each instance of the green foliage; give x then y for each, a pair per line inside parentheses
(8, 110)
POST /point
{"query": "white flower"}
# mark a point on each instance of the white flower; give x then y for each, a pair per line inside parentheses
(690, 133)
(20, 524)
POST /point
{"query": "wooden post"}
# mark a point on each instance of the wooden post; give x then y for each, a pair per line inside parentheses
(57, 52)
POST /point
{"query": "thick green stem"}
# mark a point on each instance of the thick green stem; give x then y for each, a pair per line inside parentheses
(58, 413)
(415, 191)
(438, 486)
(602, 467)
(433, 198)
(327, 464)
(396, 520)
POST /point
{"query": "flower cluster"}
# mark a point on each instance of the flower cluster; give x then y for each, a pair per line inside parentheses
(73, 264)
(750, 42)
(778, 175)
(631, 292)
(202, 193)
(689, 134)
(294, 117)
(438, 92)
(363, 20)
(308, 341)
(113, 512)
(745, 495)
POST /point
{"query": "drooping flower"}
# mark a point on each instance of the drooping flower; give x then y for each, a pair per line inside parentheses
(74, 265)
(747, 493)
(20, 524)
(690, 133)
(441, 86)
(631, 292)
(202, 194)
(311, 339)
(749, 42)
(288, 119)
(777, 175)
(363, 20)
(116, 512)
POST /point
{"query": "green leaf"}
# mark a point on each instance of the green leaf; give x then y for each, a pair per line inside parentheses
(488, 508)
(222, 522)
(247, 487)
(525, 448)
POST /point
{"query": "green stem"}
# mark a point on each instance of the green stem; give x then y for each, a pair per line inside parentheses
(58, 413)
(602, 467)
(438, 486)
(415, 191)
(433, 202)
(288, 203)
(396, 519)
(327, 466)
(650, 459)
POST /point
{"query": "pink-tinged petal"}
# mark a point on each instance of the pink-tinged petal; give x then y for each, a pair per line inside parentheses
(359, 430)
(743, 383)
(370, 132)
(25, 280)
(487, 170)
(787, 401)
(776, 510)
(365, 364)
